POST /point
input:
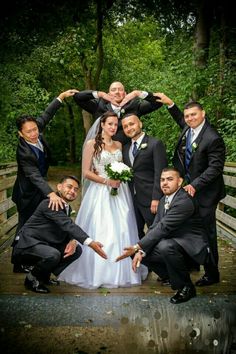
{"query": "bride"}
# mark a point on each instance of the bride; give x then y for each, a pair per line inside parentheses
(106, 218)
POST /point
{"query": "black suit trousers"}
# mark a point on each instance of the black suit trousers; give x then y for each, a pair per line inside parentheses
(169, 260)
(45, 258)
(208, 216)
(143, 216)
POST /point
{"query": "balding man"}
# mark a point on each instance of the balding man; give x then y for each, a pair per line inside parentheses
(99, 102)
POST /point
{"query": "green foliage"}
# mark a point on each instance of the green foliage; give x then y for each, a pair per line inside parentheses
(144, 52)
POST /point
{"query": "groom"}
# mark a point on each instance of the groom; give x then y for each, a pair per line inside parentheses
(147, 157)
(49, 240)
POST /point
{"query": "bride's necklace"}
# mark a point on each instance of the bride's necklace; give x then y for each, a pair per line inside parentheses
(108, 143)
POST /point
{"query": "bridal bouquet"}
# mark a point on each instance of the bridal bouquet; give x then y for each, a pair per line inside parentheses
(118, 171)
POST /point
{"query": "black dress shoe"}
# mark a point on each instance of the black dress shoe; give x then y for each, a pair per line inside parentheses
(36, 286)
(20, 268)
(52, 282)
(165, 282)
(206, 280)
(183, 295)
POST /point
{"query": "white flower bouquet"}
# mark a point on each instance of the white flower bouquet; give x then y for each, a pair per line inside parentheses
(118, 171)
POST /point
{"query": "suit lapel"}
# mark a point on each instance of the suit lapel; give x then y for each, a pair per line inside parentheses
(199, 138)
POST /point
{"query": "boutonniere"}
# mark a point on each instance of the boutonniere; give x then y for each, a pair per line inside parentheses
(72, 212)
(122, 111)
(194, 146)
(143, 146)
(167, 206)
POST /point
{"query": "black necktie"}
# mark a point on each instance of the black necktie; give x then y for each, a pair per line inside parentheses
(135, 148)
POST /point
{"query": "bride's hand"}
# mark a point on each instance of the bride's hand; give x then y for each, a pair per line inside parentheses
(113, 183)
(97, 247)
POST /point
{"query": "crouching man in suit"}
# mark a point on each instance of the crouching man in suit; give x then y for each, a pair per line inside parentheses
(175, 235)
(49, 240)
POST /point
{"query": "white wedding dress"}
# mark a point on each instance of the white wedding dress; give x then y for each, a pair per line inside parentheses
(111, 221)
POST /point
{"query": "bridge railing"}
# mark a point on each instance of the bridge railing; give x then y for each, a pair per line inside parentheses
(225, 213)
(226, 210)
(8, 212)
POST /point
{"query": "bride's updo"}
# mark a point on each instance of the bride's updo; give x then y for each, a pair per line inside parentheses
(99, 144)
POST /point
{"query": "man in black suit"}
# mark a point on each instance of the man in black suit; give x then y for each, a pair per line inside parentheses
(32, 156)
(201, 163)
(99, 102)
(147, 157)
(175, 236)
(49, 239)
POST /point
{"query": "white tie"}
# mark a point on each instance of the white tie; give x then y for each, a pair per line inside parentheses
(67, 209)
(167, 204)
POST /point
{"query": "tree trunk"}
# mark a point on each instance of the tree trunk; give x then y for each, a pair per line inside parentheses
(202, 33)
(87, 120)
(202, 39)
(72, 141)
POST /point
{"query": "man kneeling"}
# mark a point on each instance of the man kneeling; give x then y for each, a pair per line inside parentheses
(175, 236)
(49, 240)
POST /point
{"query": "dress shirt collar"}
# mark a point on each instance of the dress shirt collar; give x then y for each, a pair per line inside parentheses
(139, 140)
(38, 145)
(198, 129)
(171, 196)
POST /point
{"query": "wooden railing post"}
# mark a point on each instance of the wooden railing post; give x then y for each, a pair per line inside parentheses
(225, 213)
(3, 197)
(7, 222)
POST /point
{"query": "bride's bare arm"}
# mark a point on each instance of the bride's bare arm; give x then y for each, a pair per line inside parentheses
(87, 170)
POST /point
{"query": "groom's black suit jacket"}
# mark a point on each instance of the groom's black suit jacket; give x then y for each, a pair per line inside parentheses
(49, 227)
(148, 164)
(30, 186)
(181, 222)
(98, 106)
(206, 164)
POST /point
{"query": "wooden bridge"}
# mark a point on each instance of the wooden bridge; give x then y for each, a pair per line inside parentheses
(125, 320)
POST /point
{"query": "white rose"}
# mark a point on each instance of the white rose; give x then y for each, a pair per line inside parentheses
(119, 166)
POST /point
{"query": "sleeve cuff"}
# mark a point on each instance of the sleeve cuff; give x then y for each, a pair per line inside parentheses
(142, 253)
(59, 99)
(172, 105)
(88, 241)
(143, 94)
(95, 94)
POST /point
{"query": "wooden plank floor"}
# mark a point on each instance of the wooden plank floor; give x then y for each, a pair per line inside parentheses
(12, 283)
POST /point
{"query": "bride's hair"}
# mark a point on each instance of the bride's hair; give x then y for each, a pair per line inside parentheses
(99, 144)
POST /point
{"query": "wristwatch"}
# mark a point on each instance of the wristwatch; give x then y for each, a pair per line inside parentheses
(136, 248)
